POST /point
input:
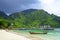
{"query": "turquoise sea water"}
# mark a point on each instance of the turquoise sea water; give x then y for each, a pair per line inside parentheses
(51, 35)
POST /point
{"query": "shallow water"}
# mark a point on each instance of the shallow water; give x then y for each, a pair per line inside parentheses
(51, 35)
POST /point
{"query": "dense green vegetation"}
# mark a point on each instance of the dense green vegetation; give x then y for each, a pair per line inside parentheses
(4, 23)
(30, 18)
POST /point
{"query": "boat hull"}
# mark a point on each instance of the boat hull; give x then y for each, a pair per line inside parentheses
(38, 33)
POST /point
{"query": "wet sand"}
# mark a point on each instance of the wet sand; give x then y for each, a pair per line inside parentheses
(32, 37)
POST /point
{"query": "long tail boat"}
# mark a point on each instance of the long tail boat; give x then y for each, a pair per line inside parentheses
(38, 32)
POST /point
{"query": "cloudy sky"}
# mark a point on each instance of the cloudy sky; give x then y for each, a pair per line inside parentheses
(10, 6)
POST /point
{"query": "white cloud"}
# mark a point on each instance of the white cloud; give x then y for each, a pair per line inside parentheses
(52, 6)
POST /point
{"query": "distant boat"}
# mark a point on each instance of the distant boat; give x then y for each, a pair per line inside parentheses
(48, 29)
(38, 32)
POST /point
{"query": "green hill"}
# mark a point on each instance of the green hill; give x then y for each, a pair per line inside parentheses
(3, 20)
(28, 19)
(3, 15)
(34, 18)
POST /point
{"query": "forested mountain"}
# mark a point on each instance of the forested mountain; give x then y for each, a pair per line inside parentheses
(29, 18)
(3, 20)
(3, 15)
(35, 18)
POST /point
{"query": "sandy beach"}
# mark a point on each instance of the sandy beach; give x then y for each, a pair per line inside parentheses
(10, 36)
(29, 36)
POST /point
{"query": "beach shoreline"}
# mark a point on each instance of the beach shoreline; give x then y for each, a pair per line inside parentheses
(27, 36)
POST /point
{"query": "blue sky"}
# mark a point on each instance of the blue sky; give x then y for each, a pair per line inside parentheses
(10, 6)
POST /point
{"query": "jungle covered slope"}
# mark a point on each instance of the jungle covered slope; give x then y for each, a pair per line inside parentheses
(32, 18)
(35, 18)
